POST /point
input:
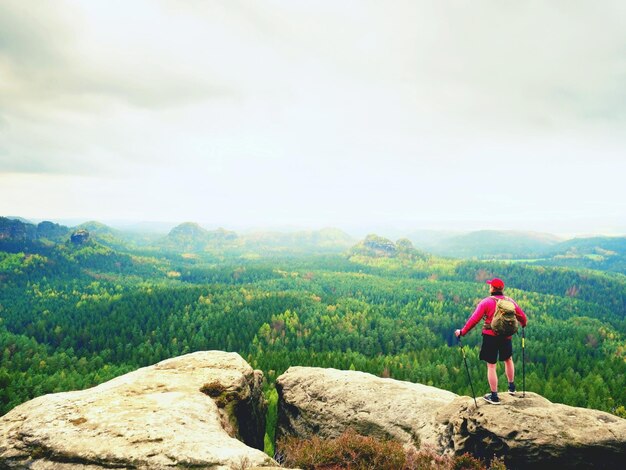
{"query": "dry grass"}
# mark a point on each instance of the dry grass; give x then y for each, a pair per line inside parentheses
(351, 451)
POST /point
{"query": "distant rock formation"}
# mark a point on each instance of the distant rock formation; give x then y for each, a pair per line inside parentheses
(379, 247)
(80, 237)
(528, 432)
(374, 245)
(201, 410)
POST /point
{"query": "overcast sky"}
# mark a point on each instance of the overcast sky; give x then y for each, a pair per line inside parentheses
(481, 114)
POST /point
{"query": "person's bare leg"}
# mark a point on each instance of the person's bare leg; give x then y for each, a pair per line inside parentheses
(509, 368)
(492, 377)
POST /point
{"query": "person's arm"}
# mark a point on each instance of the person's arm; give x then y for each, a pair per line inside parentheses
(473, 320)
(521, 316)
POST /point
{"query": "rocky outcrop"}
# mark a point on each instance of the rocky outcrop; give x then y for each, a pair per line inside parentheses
(529, 432)
(375, 246)
(80, 237)
(532, 432)
(201, 410)
(326, 402)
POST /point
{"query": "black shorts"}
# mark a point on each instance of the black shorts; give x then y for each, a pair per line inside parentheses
(495, 347)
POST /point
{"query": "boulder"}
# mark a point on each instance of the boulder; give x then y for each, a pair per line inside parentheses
(532, 432)
(201, 410)
(326, 402)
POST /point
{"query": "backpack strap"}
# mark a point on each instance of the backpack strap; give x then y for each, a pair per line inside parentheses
(487, 326)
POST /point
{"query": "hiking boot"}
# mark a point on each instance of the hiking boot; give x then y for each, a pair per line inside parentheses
(492, 398)
(511, 388)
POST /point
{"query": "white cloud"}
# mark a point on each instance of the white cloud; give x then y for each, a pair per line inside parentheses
(321, 112)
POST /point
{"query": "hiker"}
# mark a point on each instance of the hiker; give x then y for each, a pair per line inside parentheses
(495, 345)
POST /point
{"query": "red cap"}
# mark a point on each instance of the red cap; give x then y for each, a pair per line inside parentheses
(496, 283)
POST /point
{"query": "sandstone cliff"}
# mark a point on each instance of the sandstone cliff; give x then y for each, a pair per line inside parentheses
(190, 411)
(206, 410)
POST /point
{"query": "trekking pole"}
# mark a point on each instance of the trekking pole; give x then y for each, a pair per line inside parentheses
(523, 363)
(468, 372)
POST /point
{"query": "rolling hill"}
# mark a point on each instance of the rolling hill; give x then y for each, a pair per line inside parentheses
(490, 244)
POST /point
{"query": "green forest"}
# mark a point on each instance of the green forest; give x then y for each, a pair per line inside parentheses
(75, 312)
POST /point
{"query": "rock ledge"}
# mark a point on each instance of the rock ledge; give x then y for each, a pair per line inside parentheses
(528, 432)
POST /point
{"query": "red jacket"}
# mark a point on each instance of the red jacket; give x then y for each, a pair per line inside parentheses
(485, 309)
